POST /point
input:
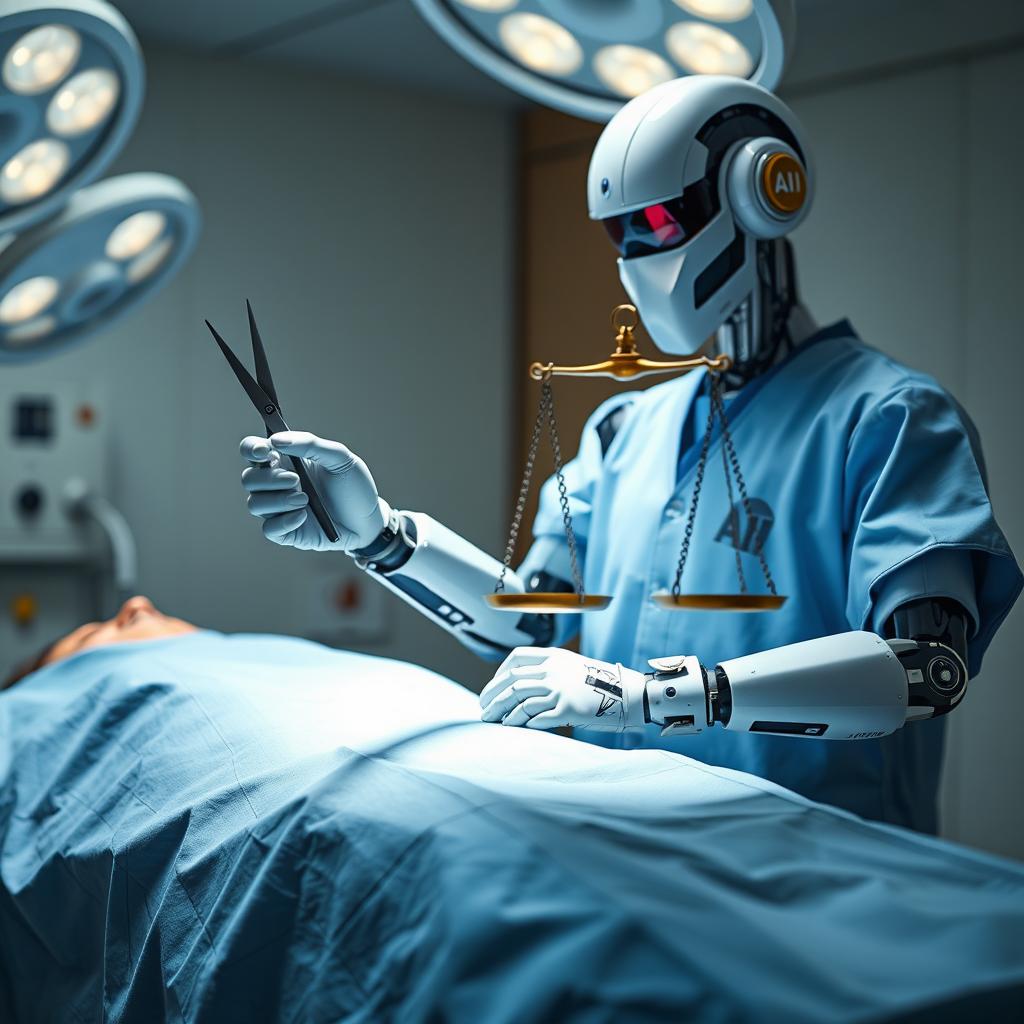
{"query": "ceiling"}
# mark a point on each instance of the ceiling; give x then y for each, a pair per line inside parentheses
(388, 40)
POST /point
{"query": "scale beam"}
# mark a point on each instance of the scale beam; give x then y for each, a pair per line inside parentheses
(629, 366)
(626, 363)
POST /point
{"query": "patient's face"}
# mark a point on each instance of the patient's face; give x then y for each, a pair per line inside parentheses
(137, 620)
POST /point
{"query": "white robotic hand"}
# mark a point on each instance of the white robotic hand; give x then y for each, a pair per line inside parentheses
(341, 477)
(544, 688)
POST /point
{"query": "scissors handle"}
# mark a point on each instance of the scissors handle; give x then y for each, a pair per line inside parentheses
(315, 501)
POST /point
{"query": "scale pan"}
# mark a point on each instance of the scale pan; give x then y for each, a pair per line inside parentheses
(540, 602)
(720, 602)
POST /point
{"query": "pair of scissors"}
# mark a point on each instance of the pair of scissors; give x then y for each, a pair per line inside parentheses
(263, 395)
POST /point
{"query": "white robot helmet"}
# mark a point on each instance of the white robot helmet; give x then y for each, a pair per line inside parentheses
(687, 179)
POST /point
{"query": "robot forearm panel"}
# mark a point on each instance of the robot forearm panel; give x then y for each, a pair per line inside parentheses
(444, 576)
(849, 686)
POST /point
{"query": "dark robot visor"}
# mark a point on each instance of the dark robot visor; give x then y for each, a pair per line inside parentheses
(661, 226)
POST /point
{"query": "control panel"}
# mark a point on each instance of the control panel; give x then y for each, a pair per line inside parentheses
(48, 436)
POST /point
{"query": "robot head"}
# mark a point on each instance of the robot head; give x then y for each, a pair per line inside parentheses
(687, 178)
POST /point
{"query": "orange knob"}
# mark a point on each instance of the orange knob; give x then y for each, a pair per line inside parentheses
(24, 608)
(784, 182)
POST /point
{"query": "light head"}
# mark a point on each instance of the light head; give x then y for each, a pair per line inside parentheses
(687, 178)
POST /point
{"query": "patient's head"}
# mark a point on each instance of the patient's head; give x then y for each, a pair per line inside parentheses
(137, 619)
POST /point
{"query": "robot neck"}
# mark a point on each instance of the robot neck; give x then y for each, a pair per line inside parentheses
(770, 322)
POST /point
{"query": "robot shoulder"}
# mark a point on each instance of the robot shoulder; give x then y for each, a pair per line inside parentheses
(866, 381)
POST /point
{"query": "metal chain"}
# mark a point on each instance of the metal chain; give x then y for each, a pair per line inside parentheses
(563, 497)
(698, 482)
(733, 513)
(730, 448)
(524, 489)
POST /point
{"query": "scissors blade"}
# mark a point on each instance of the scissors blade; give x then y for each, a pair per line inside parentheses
(272, 418)
(264, 403)
(263, 377)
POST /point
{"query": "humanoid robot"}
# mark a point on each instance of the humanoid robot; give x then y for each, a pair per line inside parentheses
(698, 182)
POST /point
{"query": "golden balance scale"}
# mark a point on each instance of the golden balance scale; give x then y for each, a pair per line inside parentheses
(626, 363)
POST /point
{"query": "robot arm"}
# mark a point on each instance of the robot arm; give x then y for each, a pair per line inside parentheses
(426, 564)
(444, 576)
(846, 687)
(850, 686)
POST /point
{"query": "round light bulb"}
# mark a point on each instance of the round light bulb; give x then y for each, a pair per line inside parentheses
(149, 261)
(28, 299)
(134, 234)
(631, 70)
(718, 10)
(33, 171)
(33, 330)
(40, 59)
(707, 50)
(489, 5)
(83, 102)
(541, 44)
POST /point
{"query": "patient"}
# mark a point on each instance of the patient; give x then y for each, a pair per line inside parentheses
(137, 619)
(216, 827)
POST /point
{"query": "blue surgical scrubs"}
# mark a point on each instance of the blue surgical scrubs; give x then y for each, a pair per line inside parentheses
(867, 490)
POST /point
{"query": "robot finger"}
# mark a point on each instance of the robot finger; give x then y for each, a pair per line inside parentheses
(263, 477)
(503, 677)
(264, 504)
(512, 695)
(258, 451)
(276, 528)
(524, 656)
(529, 709)
(552, 719)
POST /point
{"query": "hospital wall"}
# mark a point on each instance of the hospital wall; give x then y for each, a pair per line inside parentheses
(915, 236)
(379, 262)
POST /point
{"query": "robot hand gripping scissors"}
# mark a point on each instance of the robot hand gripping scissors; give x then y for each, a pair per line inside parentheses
(263, 395)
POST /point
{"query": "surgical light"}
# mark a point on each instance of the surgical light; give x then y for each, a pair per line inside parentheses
(33, 330)
(41, 58)
(134, 234)
(704, 49)
(631, 70)
(114, 243)
(83, 102)
(28, 299)
(587, 57)
(148, 261)
(72, 90)
(489, 5)
(33, 171)
(541, 44)
(718, 10)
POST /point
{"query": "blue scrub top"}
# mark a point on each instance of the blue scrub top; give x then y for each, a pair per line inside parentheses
(868, 490)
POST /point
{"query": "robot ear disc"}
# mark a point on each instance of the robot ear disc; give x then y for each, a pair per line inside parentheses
(769, 187)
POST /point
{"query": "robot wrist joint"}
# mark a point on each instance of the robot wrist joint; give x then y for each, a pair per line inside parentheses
(677, 696)
(393, 546)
